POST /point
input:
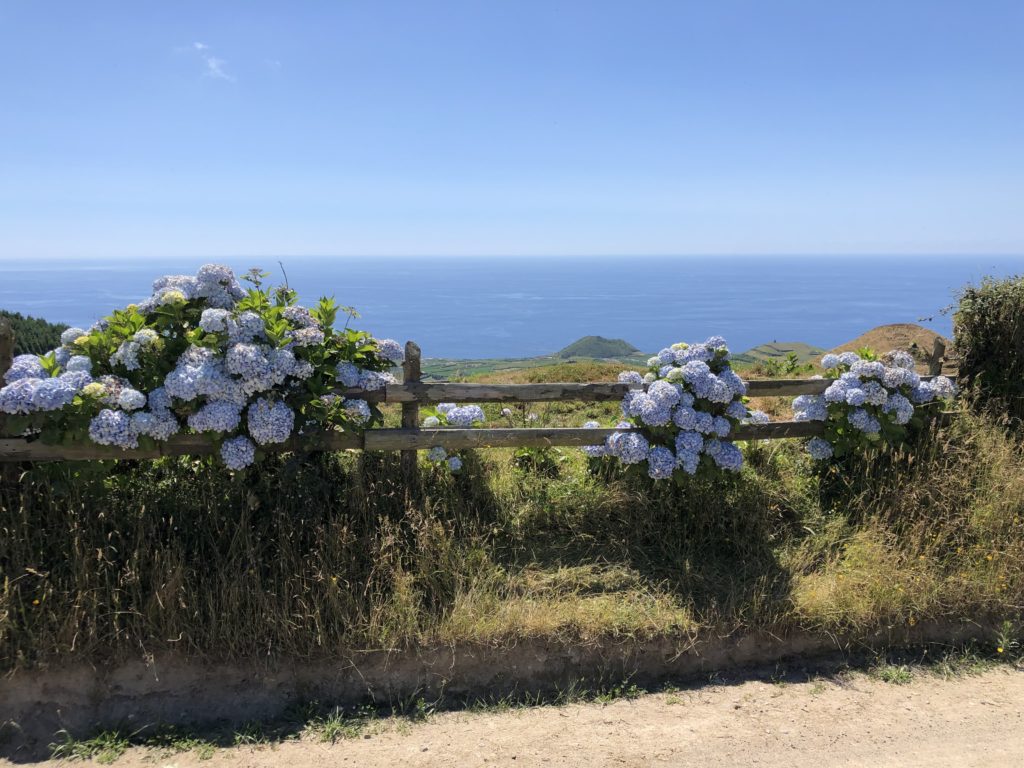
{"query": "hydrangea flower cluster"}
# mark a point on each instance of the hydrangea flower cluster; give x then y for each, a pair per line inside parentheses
(450, 415)
(439, 455)
(247, 366)
(869, 402)
(682, 421)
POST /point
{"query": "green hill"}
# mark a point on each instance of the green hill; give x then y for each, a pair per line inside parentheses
(32, 334)
(598, 347)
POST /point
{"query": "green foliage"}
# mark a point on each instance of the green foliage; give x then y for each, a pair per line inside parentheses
(32, 335)
(790, 365)
(989, 329)
(539, 461)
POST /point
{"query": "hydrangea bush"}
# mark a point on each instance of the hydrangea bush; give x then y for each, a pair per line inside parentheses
(682, 422)
(202, 354)
(450, 415)
(871, 402)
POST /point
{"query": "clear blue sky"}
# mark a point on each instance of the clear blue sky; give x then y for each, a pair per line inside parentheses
(519, 127)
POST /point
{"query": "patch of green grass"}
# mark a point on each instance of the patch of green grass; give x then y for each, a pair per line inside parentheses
(174, 739)
(251, 734)
(105, 747)
(338, 724)
(894, 674)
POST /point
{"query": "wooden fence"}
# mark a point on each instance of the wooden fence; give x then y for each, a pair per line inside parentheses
(412, 393)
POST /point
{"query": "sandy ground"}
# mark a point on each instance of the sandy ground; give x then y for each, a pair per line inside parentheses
(967, 721)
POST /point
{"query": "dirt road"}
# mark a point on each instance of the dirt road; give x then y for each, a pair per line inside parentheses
(859, 721)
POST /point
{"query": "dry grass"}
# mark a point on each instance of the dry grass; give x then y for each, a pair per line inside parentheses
(317, 554)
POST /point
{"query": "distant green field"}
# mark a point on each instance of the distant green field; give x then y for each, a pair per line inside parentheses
(451, 369)
(778, 350)
(448, 369)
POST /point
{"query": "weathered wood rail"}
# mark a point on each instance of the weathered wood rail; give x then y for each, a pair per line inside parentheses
(412, 393)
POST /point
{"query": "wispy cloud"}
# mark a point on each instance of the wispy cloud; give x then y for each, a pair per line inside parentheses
(214, 66)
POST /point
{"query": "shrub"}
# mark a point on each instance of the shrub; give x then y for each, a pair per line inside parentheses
(989, 330)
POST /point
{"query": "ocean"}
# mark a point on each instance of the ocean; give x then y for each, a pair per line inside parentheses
(521, 307)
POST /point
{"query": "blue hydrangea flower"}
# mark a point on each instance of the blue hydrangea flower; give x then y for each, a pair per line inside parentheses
(160, 425)
(864, 421)
(67, 337)
(437, 453)
(454, 463)
(373, 380)
(819, 448)
(238, 452)
(18, 397)
(357, 410)
(901, 408)
(464, 416)
(594, 451)
(664, 393)
(270, 421)
(214, 320)
(704, 422)
(830, 361)
(25, 367)
(661, 462)
(110, 427)
(391, 350)
(688, 461)
(53, 394)
(79, 363)
(944, 388)
(431, 422)
(736, 410)
(216, 416)
(901, 359)
(757, 417)
(628, 447)
(300, 316)
(689, 442)
(631, 377)
(348, 374)
(855, 397)
(810, 408)
(131, 400)
(307, 337)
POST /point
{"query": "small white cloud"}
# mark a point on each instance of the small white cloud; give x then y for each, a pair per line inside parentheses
(215, 67)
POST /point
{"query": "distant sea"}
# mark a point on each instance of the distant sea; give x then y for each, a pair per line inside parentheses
(522, 307)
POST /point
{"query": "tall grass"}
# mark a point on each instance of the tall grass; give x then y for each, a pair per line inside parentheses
(313, 555)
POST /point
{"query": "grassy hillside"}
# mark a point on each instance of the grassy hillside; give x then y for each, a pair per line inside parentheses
(599, 347)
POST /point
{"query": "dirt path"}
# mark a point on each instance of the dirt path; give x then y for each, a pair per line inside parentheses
(968, 721)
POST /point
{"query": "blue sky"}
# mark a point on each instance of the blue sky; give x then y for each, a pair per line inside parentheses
(156, 129)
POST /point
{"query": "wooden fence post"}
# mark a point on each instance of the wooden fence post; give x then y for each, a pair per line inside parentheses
(935, 361)
(6, 355)
(410, 411)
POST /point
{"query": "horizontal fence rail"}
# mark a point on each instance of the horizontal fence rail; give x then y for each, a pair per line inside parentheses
(404, 439)
(409, 438)
(446, 391)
